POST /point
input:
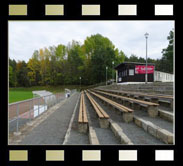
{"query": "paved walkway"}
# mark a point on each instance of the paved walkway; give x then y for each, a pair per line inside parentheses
(52, 131)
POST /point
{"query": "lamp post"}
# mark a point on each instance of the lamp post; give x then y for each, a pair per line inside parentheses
(106, 75)
(80, 82)
(146, 36)
(112, 71)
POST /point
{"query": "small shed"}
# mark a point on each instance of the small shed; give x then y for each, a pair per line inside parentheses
(46, 95)
(134, 72)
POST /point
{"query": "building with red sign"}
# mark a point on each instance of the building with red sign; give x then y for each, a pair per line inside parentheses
(134, 72)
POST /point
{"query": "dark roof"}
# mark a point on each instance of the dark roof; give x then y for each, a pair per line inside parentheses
(136, 63)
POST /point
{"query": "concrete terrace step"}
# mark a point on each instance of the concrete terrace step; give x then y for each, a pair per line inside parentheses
(98, 134)
(131, 134)
(167, 92)
(166, 115)
(119, 134)
(154, 130)
(151, 108)
(97, 138)
(158, 121)
(128, 131)
(156, 87)
(127, 114)
(93, 137)
(166, 103)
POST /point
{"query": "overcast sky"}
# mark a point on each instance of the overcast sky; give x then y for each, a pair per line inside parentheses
(128, 36)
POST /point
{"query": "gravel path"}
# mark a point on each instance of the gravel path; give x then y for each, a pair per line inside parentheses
(135, 133)
(105, 136)
(52, 130)
(157, 121)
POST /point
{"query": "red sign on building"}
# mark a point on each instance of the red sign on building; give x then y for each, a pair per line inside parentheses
(141, 69)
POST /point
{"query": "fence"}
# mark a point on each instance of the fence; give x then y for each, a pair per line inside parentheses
(25, 111)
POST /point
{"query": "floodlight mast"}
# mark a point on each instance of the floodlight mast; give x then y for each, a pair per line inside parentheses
(146, 78)
(112, 71)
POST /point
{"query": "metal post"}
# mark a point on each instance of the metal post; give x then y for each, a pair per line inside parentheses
(30, 111)
(106, 75)
(17, 118)
(44, 104)
(116, 76)
(53, 100)
(146, 78)
(146, 60)
(49, 101)
(33, 106)
(38, 106)
(112, 71)
(80, 83)
(154, 75)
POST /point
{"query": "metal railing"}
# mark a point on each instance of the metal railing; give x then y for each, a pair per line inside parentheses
(20, 113)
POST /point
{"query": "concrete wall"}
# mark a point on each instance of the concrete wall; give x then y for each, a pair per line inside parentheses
(163, 77)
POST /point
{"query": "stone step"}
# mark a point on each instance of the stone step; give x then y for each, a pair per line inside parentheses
(94, 136)
(166, 92)
(166, 103)
(119, 134)
(93, 139)
(166, 115)
(154, 130)
(165, 88)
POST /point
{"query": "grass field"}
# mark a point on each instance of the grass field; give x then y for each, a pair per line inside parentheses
(19, 94)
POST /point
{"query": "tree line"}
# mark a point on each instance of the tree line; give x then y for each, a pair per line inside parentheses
(78, 63)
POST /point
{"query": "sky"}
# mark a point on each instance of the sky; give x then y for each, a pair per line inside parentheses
(27, 36)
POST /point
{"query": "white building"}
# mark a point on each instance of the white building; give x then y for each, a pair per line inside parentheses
(163, 77)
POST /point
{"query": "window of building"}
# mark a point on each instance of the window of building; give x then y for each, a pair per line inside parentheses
(131, 72)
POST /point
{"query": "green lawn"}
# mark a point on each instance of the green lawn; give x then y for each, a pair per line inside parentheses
(22, 93)
(17, 95)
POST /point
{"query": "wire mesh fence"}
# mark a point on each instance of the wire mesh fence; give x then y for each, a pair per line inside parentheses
(20, 113)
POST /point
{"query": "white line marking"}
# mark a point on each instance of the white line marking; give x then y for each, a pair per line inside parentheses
(71, 122)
